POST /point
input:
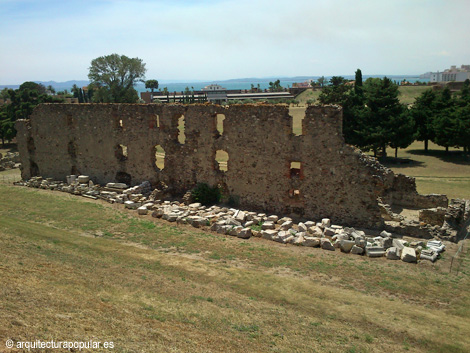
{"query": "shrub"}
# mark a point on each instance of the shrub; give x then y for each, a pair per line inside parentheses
(205, 194)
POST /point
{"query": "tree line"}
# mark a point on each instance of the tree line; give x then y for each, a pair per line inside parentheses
(374, 118)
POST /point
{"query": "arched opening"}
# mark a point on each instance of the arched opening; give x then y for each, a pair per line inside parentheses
(159, 157)
(181, 128)
(121, 152)
(221, 157)
(295, 169)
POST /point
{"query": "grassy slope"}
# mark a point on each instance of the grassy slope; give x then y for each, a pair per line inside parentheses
(75, 269)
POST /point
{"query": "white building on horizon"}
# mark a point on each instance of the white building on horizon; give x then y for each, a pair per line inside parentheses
(453, 74)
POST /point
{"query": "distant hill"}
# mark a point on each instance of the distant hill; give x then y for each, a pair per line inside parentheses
(58, 86)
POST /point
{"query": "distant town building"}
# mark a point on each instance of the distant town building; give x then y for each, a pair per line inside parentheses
(306, 84)
(453, 74)
(215, 93)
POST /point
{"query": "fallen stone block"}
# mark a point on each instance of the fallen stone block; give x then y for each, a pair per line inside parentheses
(375, 251)
(268, 225)
(392, 253)
(272, 218)
(408, 254)
(268, 234)
(315, 231)
(311, 242)
(195, 205)
(325, 222)
(328, 232)
(385, 234)
(428, 255)
(302, 227)
(361, 242)
(326, 244)
(235, 230)
(83, 179)
(244, 233)
(142, 210)
(286, 225)
(357, 250)
(346, 245)
(131, 205)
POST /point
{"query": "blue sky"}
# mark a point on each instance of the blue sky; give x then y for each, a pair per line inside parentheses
(222, 39)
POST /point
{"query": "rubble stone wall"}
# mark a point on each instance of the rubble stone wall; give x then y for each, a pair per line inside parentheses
(116, 143)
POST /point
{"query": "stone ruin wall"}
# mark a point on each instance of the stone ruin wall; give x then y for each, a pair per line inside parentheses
(334, 180)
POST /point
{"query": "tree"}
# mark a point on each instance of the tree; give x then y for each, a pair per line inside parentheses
(50, 89)
(383, 115)
(33, 86)
(275, 86)
(424, 112)
(336, 92)
(114, 76)
(321, 81)
(151, 84)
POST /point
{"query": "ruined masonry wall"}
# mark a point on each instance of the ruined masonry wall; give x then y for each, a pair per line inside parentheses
(333, 181)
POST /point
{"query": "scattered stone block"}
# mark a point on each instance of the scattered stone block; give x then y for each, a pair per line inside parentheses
(326, 244)
(286, 225)
(245, 233)
(302, 227)
(142, 210)
(328, 232)
(326, 222)
(311, 241)
(268, 234)
(392, 253)
(408, 254)
(346, 245)
(385, 234)
(357, 250)
(375, 251)
(268, 225)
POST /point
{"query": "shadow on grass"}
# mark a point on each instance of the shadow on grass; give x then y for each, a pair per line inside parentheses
(401, 162)
(9, 147)
(456, 157)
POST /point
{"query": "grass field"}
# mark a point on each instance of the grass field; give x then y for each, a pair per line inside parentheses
(407, 94)
(82, 270)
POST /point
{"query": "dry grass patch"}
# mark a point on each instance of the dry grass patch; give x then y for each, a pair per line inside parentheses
(73, 269)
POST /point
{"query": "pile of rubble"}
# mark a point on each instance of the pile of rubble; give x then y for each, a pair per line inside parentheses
(244, 224)
(9, 160)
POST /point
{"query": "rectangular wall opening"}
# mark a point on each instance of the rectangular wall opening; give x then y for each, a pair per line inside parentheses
(295, 169)
(221, 157)
(181, 128)
(298, 115)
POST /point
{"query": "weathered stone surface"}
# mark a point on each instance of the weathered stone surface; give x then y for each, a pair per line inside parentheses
(375, 251)
(326, 222)
(268, 225)
(326, 244)
(346, 245)
(302, 227)
(385, 234)
(311, 241)
(245, 233)
(286, 225)
(268, 234)
(357, 250)
(392, 253)
(433, 216)
(315, 231)
(142, 210)
(83, 179)
(328, 232)
(408, 254)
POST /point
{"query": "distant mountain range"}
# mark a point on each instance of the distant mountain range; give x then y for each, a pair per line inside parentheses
(60, 86)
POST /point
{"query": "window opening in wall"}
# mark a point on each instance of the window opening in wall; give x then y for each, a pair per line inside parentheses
(157, 118)
(221, 158)
(220, 123)
(295, 168)
(159, 157)
(297, 114)
(294, 193)
(181, 128)
(121, 152)
(120, 123)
